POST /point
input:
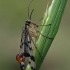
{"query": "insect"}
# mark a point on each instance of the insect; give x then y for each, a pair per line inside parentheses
(26, 50)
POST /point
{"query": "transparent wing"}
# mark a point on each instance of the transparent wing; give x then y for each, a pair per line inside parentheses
(35, 47)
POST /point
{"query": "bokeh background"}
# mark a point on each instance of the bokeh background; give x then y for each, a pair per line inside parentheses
(13, 14)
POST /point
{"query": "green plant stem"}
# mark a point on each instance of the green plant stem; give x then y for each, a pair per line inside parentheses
(55, 13)
(43, 44)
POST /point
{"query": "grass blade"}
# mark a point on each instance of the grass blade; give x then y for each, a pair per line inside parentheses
(43, 44)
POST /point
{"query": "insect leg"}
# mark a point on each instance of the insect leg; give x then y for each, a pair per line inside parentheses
(47, 8)
(44, 35)
(45, 25)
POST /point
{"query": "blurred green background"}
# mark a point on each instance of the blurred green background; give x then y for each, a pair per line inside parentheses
(13, 14)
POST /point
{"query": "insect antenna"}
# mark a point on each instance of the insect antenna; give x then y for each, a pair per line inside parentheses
(29, 16)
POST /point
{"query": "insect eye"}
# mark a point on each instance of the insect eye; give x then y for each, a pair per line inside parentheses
(27, 21)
